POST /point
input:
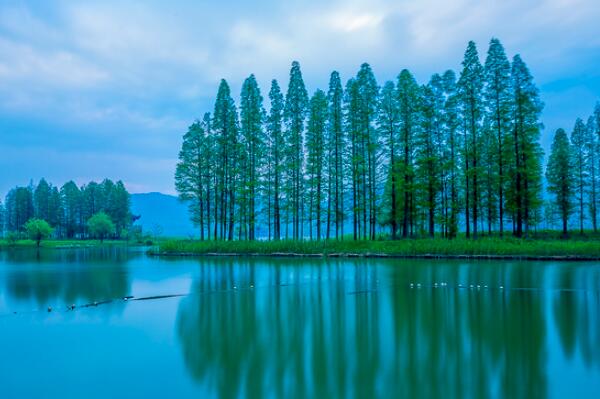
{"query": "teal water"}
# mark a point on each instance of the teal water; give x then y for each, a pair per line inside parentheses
(287, 328)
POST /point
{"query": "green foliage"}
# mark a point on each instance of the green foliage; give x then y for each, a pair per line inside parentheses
(67, 210)
(38, 230)
(101, 226)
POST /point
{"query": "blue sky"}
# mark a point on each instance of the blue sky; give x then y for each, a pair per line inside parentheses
(94, 89)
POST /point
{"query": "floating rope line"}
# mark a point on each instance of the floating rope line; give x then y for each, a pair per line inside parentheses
(412, 286)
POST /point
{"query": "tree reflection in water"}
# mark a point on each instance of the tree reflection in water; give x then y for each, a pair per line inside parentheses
(57, 277)
(356, 329)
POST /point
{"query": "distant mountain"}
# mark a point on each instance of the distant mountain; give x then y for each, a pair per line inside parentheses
(166, 211)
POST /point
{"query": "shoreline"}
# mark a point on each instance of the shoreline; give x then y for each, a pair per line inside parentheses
(548, 258)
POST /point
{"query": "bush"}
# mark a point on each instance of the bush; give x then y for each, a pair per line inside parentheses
(101, 226)
(12, 237)
(38, 230)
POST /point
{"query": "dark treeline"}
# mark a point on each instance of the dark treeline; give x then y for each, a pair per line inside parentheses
(459, 153)
(67, 209)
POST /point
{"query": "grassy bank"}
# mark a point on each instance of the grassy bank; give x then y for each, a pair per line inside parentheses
(485, 247)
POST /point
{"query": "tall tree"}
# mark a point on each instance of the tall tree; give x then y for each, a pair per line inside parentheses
(209, 176)
(225, 127)
(408, 103)
(388, 123)
(354, 158)
(315, 143)
(71, 199)
(526, 158)
(251, 118)
(470, 88)
(592, 148)
(19, 208)
(335, 144)
(428, 141)
(450, 163)
(559, 174)
(497, 100)
(578, 141)
(41, 200)
(275, 152)
(368, 92)
(55, 210)
(189, 181)
(296, 104)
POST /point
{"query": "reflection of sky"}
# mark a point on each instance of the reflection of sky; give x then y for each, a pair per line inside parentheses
(102, 89)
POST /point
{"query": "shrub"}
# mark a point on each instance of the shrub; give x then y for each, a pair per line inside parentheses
(101, 226)
(38, 230)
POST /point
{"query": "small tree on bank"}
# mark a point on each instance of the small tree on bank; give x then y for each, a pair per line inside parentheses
(38, 230)
(560, 176)
(100, 226)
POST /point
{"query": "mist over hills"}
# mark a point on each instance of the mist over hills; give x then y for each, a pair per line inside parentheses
(163, 211)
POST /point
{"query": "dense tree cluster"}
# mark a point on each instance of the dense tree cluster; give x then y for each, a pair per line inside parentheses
(459, 153)
(67, 209)
(573, 173)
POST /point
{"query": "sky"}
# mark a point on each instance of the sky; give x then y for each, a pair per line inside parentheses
(95, 89)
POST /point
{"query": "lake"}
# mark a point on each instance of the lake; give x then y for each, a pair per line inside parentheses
(287, 328)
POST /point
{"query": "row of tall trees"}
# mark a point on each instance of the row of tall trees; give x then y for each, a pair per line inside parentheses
(459, 153)
(67, 209)
(573, 172)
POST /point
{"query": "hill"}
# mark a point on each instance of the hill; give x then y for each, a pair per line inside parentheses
(165, 211)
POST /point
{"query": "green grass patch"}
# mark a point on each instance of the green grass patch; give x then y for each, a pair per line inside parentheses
(409, 247)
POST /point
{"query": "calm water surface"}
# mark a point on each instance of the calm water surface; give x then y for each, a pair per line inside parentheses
(286, 328)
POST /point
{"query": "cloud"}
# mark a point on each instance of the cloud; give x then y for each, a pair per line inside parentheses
(112, 78)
